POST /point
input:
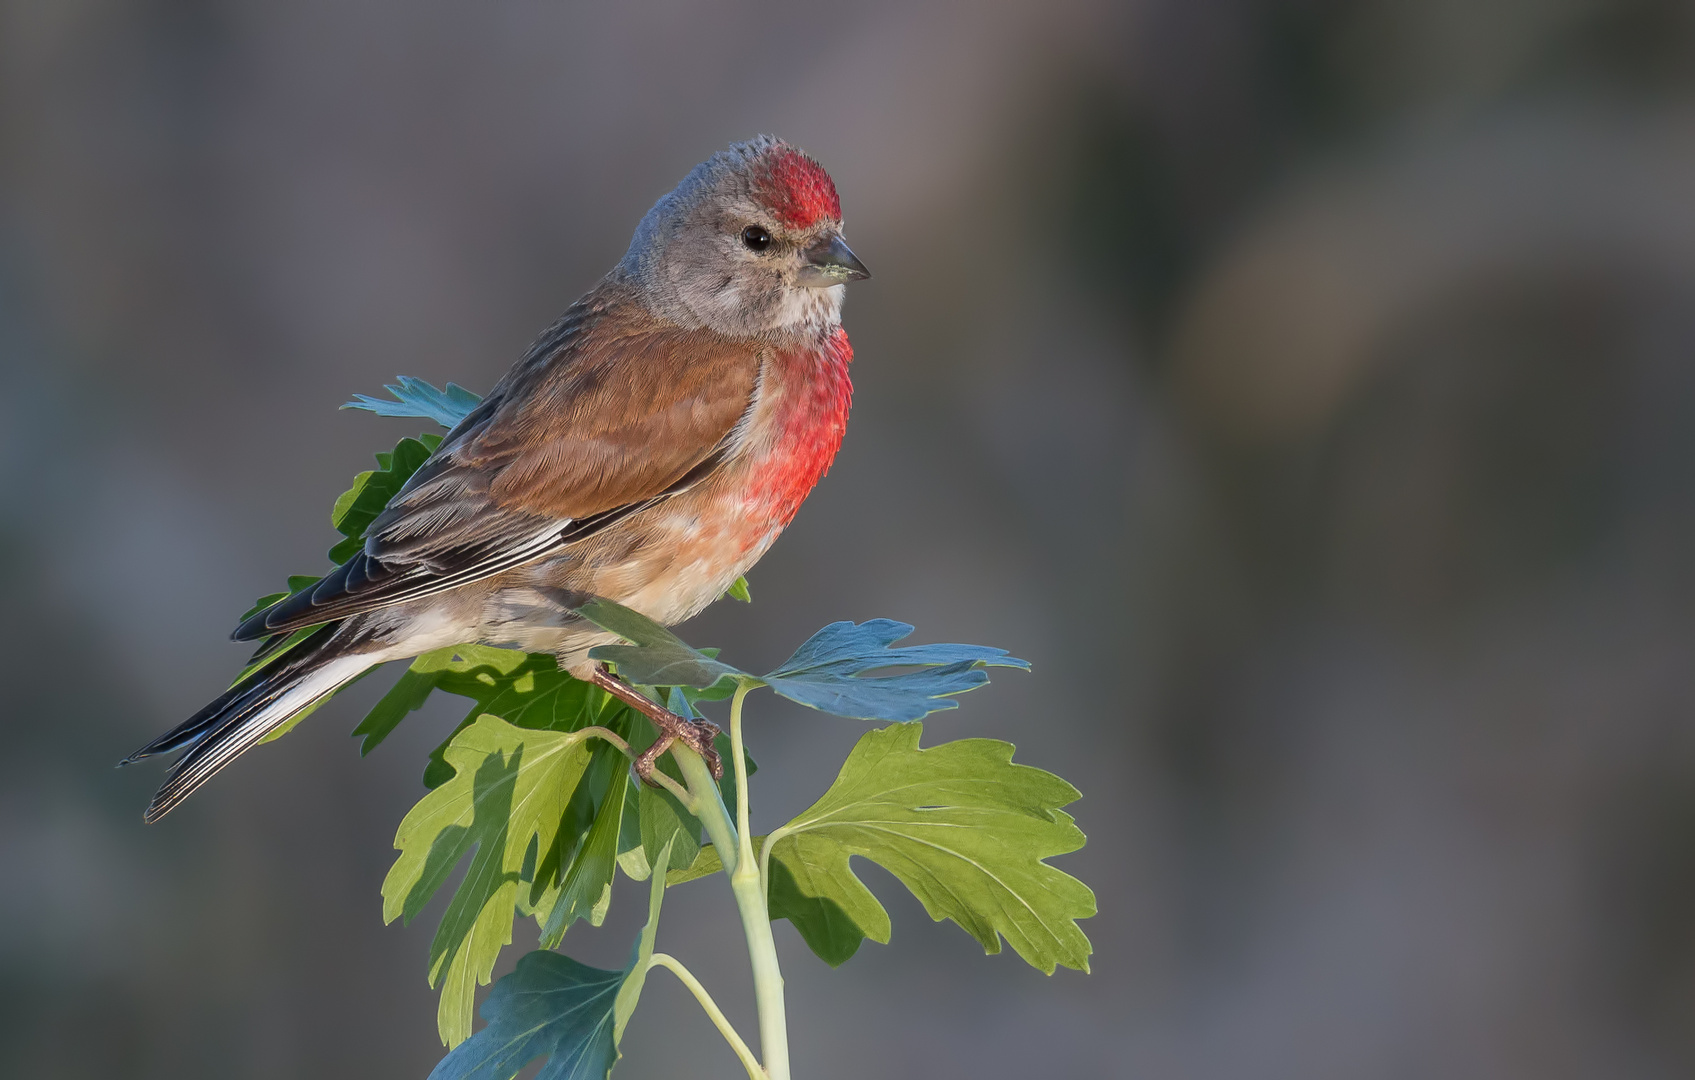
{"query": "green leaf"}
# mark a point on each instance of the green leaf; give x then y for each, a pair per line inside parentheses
(406, 696)
(584, 809)
(819, 908)
(525, 689)
(632, 857)
(415, 397)
(552, 1006)
(657, 657)
(961, 827)
(815, 909)
(667, 826)
(738, 591)
(587, 889)
(705, 864)
(360, 504)
(509, 792)
(652, 815)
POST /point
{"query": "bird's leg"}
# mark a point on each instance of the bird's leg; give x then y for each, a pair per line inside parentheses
(696, 734)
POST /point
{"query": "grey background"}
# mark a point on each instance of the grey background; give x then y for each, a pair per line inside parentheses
(1306, 387)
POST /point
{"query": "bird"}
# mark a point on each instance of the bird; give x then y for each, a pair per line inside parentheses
(647, 449)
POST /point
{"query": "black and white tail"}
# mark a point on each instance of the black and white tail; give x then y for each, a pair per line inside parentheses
(247, 712)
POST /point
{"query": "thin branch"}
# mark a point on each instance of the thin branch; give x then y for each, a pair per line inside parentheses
(748, 884)
(744, 852)
(713, 1013)
(677, 790)
(610, 736)
(765, 859)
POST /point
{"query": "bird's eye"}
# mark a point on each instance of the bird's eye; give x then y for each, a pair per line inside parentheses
(755, 238)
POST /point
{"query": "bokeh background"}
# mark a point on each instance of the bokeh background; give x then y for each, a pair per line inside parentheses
(1306, 386)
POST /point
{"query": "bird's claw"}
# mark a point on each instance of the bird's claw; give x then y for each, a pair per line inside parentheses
(697, 735)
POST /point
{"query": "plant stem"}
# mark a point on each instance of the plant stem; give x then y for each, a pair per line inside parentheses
(735, 850)
(750, 893)
(677, 790)
(709, 804)
(744, 850)
(610, 736)
(713, 1013)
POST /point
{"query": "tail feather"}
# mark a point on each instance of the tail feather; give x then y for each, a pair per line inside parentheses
(246, 713)
(190, 729)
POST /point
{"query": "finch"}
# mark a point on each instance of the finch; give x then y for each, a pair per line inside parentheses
(647, 449)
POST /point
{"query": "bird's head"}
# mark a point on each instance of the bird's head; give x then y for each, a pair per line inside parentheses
(749, 243)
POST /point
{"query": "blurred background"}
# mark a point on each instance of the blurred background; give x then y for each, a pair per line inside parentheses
(1306, 386)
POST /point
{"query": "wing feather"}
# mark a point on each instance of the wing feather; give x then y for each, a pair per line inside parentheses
(609, 412)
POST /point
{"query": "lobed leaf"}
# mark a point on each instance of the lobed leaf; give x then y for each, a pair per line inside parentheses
(550, 1006)
(831, 916)
(554, 1007)
(655, 657)
(665, 825)
(961, 827)
(472, 670)
(828, 672)
(527, 690)
(830, 930)
(360, 504)
(586, 892)
(415, 397)
(509, 792)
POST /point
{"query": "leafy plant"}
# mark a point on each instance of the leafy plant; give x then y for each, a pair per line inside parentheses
(533, 795)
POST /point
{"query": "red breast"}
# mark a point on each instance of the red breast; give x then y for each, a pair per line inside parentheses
(804, 429)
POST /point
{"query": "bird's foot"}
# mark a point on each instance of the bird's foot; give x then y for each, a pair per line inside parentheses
(697, 735)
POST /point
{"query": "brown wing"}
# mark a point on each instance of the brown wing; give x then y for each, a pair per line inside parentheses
(609, 411)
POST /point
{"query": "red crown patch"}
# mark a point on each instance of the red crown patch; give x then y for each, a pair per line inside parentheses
(798, 190)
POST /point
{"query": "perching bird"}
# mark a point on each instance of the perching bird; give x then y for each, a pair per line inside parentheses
(647, 449)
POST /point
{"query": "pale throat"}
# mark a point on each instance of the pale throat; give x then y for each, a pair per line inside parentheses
(810, 309)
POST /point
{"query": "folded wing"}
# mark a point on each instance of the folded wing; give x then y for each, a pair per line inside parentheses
(609, 412)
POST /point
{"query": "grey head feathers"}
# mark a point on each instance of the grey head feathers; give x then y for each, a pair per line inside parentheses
(691, 264)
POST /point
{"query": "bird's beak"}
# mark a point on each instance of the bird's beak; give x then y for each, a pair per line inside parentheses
(829, 261)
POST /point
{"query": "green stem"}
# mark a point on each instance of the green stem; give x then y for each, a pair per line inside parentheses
(713, 1013)
(735, 848)
(765, 858)
(749, 888)
(709, 805)
(610, 736)
(677, 790)
(738, 759)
